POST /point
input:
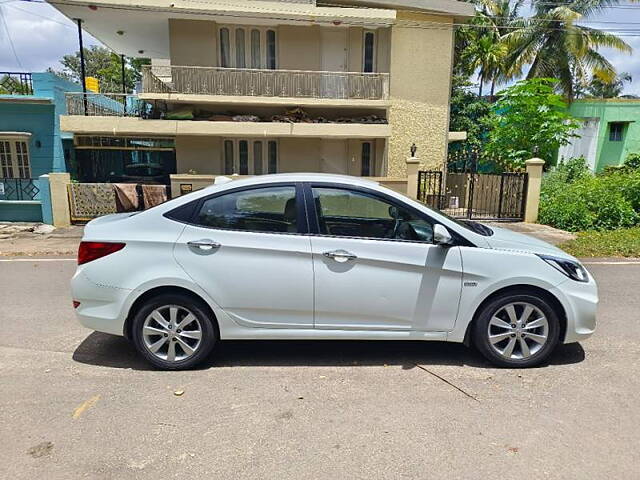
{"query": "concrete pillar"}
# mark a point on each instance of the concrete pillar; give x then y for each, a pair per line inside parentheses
(45, 199)
(534, 171)
(59, 199)
(413, 165)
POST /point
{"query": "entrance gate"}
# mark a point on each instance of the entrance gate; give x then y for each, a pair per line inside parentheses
(480, 196)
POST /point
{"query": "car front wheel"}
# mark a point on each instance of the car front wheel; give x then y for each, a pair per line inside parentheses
(517, 330)
(173, 332)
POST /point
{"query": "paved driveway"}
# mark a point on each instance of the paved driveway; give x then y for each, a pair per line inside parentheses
(76, 404)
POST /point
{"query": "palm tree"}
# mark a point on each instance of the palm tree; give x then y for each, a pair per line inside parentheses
(601, 88)
(482, 44)
(555, 46)
(485, 54)
(501, 17)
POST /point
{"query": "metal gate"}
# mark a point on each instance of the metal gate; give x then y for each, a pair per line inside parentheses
(480, 196)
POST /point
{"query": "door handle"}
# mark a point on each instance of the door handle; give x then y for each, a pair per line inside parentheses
(204, 244)
(340, 255)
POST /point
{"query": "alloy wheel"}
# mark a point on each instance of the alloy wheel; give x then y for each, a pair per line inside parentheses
(172, 333)
(518, 330)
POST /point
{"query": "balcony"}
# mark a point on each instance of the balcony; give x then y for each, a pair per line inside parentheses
(234, 82)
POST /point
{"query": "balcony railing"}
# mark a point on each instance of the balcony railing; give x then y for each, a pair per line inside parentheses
(16, 83)
(265, 83)
(18, 188)
(106, 104)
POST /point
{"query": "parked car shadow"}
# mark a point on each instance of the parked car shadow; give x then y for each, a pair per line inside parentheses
(116, 352)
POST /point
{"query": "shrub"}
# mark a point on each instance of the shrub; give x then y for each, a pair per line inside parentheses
(565, 173)
(633, 161)
(573, 199)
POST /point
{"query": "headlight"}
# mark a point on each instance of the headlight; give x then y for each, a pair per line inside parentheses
(571, 269)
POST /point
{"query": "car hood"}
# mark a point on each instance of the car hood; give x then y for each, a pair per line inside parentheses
(505, 239)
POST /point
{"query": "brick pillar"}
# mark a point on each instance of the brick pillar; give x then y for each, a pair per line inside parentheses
(59, 199)
(534, 171)
(413, 165)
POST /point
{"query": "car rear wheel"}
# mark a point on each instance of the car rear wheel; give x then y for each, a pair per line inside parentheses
(517, 330)
(173, 332)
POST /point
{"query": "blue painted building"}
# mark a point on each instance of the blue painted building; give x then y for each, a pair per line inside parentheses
(31, 143)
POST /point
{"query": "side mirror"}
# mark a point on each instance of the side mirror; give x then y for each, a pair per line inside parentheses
(441, 235)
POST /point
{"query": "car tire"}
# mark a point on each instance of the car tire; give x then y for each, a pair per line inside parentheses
(516, 330)
(174, 332)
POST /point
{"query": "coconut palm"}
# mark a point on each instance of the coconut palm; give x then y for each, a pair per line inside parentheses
(501, 17)
(482, 45)
(555, 46)
(486, 54)
(613, 88)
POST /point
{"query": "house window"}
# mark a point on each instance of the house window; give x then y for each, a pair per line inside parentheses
(369, 52)
(366, 157)
(271, 49)
(228, 157)
(243, 151)
(250, 157)
(14, 158)
(257, 158)
(242, 47)
(241, 55)
(256, 57)
(616, 130)
(273, 157)
(225, 48)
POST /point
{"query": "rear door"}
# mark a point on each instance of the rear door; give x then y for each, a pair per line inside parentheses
(375, 265)
(248, 248)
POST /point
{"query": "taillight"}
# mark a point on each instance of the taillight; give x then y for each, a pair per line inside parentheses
(76, 304)
(89, 251)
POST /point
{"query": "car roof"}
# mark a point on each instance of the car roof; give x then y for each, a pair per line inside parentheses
(296, 177)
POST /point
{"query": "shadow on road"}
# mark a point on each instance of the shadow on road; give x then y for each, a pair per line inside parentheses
(116, 352)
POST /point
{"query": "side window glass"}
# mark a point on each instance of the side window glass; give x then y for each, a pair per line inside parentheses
(350, 213)
(270, 209)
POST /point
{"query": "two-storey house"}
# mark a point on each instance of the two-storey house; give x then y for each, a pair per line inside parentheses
(253, 87)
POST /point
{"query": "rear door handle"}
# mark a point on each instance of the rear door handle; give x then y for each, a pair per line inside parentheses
(340, 255)
(204, 244)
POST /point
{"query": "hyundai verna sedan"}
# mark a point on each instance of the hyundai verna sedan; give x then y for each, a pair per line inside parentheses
(312, 256)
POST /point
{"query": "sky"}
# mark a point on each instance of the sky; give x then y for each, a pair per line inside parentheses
(41, 36)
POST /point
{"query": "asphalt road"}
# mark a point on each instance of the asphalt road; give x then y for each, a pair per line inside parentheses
(76, 404)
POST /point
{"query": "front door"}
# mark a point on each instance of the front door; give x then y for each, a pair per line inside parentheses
(248, 250)
(334, 60)
(376, 267)
(335, 158)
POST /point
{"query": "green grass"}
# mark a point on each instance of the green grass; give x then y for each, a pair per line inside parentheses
(624, 242)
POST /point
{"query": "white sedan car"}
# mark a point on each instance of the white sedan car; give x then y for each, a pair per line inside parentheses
(312, 256)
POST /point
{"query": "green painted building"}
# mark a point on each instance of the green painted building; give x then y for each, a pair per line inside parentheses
(609, 132)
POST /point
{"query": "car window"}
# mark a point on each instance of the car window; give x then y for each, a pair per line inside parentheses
(269, 209)
(352, 213)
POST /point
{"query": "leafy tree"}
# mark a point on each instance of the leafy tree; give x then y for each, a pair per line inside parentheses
(529, 119)
(556, 46)
(608, 88)
(469, 112)
(104, 65)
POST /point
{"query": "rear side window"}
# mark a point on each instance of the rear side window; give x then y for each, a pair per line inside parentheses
(269, 209)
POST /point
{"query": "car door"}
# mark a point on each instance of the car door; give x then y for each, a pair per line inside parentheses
(375, 266)
(248, 248)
